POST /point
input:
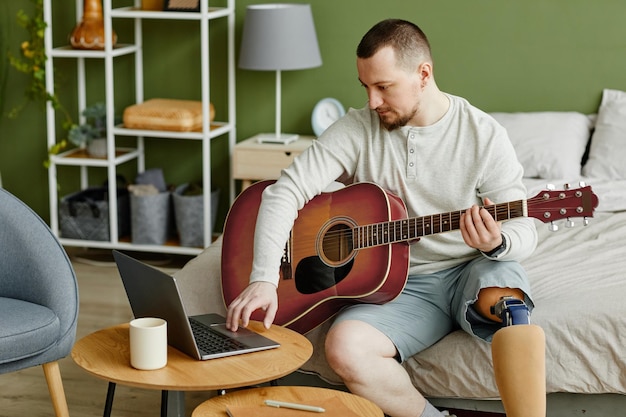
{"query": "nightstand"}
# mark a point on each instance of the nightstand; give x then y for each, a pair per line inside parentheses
(264, 161)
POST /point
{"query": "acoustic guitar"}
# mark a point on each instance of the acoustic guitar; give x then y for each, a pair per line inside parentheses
(352, 245)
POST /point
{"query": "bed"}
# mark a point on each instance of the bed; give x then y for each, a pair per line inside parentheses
(577, 276)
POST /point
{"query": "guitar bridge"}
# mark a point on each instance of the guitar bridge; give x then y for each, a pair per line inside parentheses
(285, 263)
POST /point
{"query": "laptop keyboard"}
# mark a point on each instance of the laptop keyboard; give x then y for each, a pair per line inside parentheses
(209, 341)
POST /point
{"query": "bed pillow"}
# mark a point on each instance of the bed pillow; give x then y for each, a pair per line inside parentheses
(549, 145)
(607, 153)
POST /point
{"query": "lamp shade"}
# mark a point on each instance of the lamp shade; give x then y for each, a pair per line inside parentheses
(279, 37)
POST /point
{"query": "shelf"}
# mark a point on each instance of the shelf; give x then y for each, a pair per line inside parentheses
(217, 129)
(132, 12)
(80, 157)
(169, 247)
(67, 51)
(134, 138)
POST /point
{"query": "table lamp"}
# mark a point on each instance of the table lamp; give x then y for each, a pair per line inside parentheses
(279, 37)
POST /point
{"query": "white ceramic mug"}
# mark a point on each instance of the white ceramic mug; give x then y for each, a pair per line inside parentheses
(148, 343)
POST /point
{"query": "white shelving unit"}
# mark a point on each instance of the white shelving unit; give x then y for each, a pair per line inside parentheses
(116, 155)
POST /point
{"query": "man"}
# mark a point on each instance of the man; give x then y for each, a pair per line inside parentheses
(439, 154)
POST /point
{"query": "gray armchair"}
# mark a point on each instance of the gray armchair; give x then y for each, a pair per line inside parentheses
(38, 297)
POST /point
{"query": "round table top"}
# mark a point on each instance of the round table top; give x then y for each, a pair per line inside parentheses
(106, 354)
(335, 403)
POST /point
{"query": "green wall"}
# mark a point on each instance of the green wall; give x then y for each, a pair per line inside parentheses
(503, 55)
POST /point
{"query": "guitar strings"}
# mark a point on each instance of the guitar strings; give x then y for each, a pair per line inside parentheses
(334, 239)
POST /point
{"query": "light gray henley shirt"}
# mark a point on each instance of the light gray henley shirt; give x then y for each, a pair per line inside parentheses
(447, 166)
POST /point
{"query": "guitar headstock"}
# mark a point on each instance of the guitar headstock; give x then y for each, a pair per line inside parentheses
(551, 205)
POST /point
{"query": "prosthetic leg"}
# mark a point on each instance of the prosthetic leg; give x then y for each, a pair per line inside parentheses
(518, 352)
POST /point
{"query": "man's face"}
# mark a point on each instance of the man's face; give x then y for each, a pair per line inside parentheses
(392, 91)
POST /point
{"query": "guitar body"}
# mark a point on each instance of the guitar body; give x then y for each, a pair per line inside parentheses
(321, 270)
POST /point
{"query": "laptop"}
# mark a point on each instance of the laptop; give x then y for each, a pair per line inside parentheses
(154, 293)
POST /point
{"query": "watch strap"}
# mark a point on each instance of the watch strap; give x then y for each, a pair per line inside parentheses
(498, 249)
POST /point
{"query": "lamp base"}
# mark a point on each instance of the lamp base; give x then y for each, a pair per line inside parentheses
(283, 138)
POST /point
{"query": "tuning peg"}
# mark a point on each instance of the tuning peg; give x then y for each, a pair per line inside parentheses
(570, 223)
(568, 186)
(553, 227)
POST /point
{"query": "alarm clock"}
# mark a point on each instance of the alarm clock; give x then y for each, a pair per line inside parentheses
(326, 112)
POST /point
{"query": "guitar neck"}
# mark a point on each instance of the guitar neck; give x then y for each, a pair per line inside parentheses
(405, 230)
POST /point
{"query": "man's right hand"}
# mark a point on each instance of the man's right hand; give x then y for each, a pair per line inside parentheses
(257, 295)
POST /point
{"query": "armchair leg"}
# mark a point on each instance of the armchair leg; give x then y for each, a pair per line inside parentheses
(55, 386)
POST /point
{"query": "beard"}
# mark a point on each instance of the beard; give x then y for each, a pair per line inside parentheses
(394, 120)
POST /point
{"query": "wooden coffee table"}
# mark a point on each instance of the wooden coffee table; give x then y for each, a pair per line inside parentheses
(321, 397)
(106, 354)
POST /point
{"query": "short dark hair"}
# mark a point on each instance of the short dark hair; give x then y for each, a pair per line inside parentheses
(407, 40)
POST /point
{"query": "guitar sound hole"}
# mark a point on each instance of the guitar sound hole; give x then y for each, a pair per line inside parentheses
(317, 273)
(337, 244)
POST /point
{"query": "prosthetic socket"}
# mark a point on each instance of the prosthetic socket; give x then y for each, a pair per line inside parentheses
(511, 311)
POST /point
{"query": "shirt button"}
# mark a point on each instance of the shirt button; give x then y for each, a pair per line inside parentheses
(411, 164)
(411, 150)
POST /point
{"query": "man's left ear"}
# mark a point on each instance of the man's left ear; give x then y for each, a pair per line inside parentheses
(425, 71)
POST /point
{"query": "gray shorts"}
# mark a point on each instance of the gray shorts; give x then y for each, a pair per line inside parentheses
(433, 305)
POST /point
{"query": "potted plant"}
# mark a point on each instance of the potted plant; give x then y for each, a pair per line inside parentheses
(92, 134)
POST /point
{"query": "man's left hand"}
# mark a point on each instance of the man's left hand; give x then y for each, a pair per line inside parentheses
(479, 229)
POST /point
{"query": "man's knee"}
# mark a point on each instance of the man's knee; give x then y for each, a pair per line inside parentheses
(339, 347)
(352, 343)
(333, 343)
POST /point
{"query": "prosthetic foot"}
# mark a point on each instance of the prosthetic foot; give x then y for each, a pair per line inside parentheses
(518, 352)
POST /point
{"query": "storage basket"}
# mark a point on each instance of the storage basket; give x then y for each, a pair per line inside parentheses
(85, 214)
(151, 218)
(188, 212)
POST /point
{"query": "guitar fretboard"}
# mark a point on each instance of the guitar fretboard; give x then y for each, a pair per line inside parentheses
(413, 228)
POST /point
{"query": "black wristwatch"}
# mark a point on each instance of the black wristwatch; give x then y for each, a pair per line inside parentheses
(497, 250)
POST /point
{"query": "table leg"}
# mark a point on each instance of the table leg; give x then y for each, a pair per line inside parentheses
(164, 403)
(245, 184)
(108, 404)
(172, 404)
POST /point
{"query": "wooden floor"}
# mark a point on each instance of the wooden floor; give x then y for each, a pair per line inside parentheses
(103, 303)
